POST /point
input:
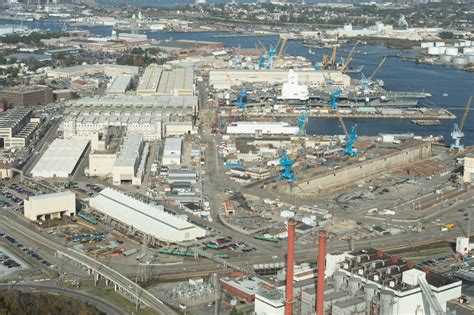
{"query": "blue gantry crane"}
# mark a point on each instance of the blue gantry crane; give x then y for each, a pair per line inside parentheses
(349, 150)
(242, 95)
(286, 163)
(261, 63)
(334, 97)
(271, 57)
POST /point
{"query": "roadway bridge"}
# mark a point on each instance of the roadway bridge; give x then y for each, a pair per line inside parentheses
(121, 283)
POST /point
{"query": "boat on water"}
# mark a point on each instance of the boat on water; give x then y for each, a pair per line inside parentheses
(311, 52)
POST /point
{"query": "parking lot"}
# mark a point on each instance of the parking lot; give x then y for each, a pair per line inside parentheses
(10, 263)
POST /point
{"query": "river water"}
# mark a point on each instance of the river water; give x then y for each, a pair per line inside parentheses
(397, 75)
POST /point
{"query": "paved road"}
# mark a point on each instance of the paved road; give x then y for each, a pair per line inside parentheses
(113, 275)
(45, 288)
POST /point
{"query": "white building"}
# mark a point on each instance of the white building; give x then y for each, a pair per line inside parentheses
(60, 159)
(50, 206)
(152, 222)
(172, 151)
(261, 127)
(469, 170)
(130, 163)
(292, 90)
(110, 70)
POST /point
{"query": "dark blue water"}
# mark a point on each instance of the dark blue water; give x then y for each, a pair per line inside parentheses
(398, 76)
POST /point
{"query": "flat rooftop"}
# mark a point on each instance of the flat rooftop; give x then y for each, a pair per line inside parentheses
(143, 217)
(60, 159)
(130, 151)
(120, 84)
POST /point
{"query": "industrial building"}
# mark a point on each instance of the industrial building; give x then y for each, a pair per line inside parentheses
(261, 128)
(16, 127)
(364, 282)
(154, 116)
(140, 218)
(130, 163)
(109, 70)
(121, 158)
(469, 170)
(119, 85)
(159, 81)
(22, 96)
(50, 206)
(292, 90)
(172, 151)
(60, 159)
(224, 79)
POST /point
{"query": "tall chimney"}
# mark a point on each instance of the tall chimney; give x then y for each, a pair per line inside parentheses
(321, 272)
(290, 266)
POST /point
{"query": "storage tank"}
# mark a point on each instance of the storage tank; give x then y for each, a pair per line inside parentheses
(452, 51)
(433, 51)
(339, 279)
(460, 61)
(370, 292)
(386, 302)
(354, 285)
(446, 58)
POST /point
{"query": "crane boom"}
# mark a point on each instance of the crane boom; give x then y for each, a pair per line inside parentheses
(378, 67)
(466, 113)
(343, 125)
(349, 56)
(333, 55)
(281, 49)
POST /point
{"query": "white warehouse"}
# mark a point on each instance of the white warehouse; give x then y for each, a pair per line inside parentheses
(60, 159)
(152, 222)
(262, 127)
(172, 151)
(50, 206)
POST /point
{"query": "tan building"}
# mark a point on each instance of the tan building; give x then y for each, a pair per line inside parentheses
(23, 96)
(159, 81)
(50, 206)
(469, 170)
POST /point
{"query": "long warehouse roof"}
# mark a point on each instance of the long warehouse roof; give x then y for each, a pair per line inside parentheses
(60, 158)
(143, 217)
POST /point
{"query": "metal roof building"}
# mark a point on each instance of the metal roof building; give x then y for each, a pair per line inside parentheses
(60, 159)
(119, 85)
(172, 151)
(158, 81)
(154, 222)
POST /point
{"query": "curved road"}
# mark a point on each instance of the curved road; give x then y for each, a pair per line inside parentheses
(100, 304)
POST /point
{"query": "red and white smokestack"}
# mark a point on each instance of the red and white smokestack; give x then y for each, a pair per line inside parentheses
(321, 273)
(290, 266)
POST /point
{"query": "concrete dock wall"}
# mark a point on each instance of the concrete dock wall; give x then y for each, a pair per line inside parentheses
(346, 175)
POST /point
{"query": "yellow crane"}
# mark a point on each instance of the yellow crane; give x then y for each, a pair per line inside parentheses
(378, 68)
(325, 59)
(333, 55)
(348, 59)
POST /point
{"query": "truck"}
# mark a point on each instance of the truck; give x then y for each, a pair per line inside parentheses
(447, 226)
(130, 252)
